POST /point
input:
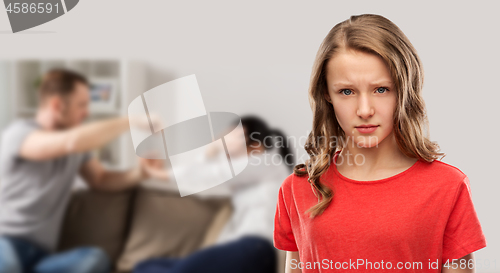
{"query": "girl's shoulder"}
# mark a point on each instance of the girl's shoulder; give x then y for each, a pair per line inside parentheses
(294, 182)
(443, 169)
(442, 175)
(436, 174)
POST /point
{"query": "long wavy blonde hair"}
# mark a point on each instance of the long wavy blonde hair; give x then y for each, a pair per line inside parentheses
(377, 35)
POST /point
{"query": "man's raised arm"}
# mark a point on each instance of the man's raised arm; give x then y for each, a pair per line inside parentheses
(45, 145)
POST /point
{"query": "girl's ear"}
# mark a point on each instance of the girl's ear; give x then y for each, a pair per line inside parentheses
(327, 97)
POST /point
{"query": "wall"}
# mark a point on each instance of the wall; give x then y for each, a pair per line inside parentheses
(257, 56)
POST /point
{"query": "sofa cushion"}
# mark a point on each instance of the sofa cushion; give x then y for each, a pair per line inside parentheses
(97, 219)
(166, 225)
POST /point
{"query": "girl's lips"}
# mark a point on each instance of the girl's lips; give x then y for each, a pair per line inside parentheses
(367, 130)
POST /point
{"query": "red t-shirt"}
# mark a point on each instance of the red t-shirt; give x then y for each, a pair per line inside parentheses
(413, 221)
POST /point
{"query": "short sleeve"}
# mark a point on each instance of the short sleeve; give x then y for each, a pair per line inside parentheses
(463, 233)
(13, 137)
(283, 234)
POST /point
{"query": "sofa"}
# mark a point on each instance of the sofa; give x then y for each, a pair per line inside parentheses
(141, 223)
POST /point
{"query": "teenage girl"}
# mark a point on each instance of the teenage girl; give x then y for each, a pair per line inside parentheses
(373, 197)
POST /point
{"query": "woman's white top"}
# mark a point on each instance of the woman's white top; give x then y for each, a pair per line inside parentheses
(254, 195)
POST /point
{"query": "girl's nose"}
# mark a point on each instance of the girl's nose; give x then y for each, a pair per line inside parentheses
(365, 107)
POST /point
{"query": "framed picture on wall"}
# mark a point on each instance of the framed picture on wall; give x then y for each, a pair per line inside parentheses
(103, 93)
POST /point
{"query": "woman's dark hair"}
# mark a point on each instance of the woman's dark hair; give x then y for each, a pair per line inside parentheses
(257, 131)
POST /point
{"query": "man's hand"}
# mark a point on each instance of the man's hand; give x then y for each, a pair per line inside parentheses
(154, 168)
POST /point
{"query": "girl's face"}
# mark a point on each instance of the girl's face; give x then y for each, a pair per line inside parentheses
(362, 92)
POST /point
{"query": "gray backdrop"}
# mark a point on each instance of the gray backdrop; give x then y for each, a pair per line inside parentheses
(258, 55)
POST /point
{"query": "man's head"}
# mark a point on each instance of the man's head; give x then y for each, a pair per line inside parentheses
(64, 94)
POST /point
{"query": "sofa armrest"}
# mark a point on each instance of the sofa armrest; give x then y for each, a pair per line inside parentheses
(218, 223)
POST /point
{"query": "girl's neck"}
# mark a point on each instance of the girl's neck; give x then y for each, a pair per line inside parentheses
(385, 155)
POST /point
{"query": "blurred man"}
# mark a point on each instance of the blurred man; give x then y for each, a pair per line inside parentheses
(39, 159)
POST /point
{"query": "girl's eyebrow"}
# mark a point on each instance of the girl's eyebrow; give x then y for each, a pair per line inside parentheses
(384, 82)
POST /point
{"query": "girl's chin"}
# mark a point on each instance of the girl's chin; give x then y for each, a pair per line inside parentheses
(367, 141)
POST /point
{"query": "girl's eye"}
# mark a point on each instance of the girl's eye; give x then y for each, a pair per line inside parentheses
(346, 91)
(382, 90)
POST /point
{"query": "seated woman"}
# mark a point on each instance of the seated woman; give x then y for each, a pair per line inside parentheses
(245, 243)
